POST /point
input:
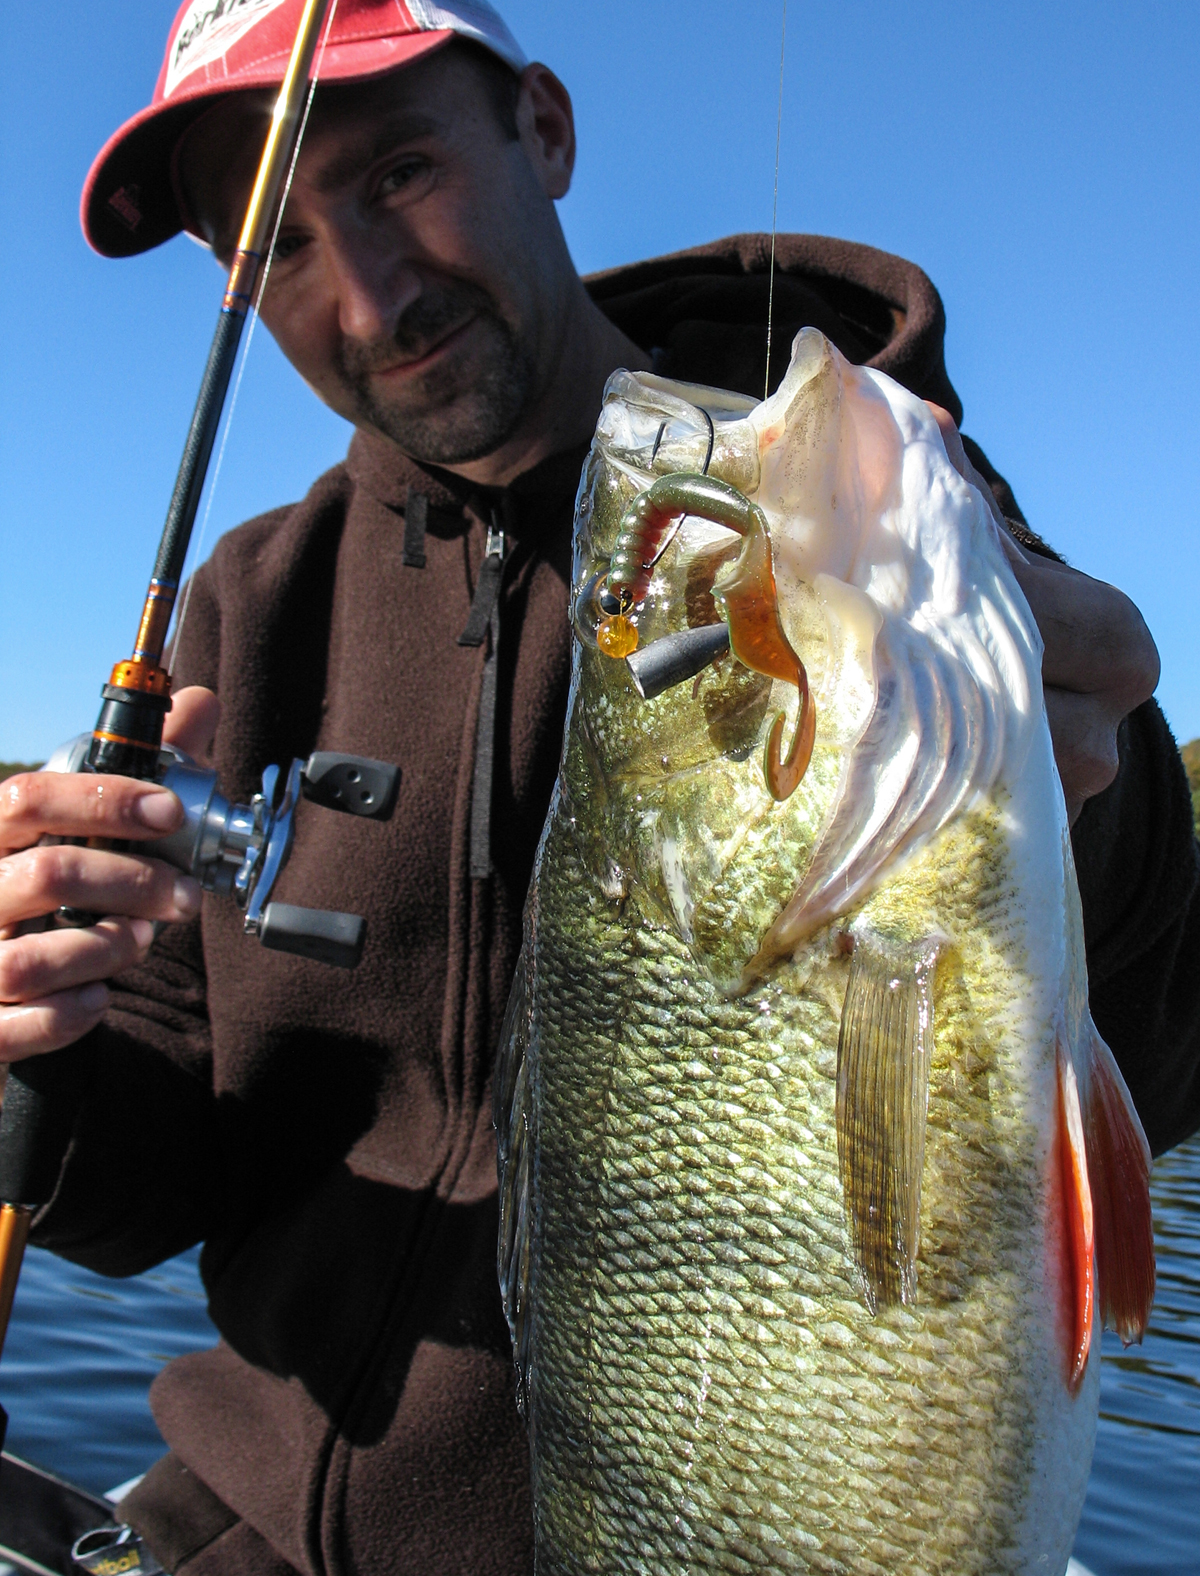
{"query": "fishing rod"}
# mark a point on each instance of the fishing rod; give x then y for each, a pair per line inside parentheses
(128, 734)
(233, 850)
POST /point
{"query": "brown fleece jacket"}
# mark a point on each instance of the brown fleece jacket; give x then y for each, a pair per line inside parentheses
(328, 1135)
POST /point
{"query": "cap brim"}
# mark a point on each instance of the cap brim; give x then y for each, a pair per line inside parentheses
(129, 203)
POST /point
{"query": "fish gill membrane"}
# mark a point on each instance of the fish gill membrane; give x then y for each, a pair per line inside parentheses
(816, 1177)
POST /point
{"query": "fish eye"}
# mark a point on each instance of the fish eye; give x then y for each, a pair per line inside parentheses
(590, 610)
(605, 619)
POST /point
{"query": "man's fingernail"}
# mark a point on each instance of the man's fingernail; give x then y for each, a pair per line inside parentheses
(186, 896)
(94, 997)
(143, 932)
(158, 810)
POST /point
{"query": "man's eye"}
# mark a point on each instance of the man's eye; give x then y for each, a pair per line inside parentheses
(401, 175)
(288, 246)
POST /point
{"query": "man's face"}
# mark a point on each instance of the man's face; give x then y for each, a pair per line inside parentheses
(420, 271)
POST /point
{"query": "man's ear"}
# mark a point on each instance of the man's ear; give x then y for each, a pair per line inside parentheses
(546, 126)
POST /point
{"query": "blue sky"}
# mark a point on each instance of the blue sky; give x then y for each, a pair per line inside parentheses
(1040, 161)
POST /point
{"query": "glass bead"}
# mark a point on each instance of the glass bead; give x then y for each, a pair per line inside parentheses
(617, 636)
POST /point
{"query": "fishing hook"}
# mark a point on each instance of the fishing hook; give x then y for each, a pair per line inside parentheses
(746, 594)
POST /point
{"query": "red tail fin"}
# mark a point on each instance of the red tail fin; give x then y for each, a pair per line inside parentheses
(1118, 1159)
(1077, 1221)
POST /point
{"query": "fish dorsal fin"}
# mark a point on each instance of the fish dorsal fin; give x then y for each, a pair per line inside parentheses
(1119, 1168)
(884, 1050)
(1078, 1225)
(511, 1112)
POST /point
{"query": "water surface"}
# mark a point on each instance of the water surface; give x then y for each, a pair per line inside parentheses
(80, 1355)
(1143, 1505)
(82, 1351)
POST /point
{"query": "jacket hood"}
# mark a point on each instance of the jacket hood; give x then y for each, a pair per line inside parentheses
(703, 312)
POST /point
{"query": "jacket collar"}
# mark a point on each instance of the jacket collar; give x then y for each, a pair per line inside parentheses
(530, 504)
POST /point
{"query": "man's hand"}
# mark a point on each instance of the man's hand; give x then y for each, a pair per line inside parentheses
(1100, 660)
(51, 981)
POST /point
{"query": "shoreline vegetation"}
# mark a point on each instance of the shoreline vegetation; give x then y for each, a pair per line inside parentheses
(1191, 761)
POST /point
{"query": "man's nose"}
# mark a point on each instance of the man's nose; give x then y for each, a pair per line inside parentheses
(373, 287)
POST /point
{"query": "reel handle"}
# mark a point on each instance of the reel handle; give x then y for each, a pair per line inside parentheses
(353, 784)
(238, 850)
(320, 934)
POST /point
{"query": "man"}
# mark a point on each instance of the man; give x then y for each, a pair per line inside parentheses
(328, 1137)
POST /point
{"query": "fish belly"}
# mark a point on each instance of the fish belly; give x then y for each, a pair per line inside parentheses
(708, 1389)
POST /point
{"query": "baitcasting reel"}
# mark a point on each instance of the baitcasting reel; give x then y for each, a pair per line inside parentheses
(238, 850)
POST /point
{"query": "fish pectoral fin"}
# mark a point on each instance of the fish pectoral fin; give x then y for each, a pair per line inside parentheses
(511, 1112)
(1078, 1228)
(1119, 1170)
(884, 1050)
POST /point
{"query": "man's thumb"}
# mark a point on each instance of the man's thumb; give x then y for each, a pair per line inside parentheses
(191, 723)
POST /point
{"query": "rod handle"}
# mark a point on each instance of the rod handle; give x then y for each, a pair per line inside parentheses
(14, 1233)
(41, 1100)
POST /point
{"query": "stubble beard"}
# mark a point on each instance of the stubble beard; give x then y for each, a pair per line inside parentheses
(439, 421)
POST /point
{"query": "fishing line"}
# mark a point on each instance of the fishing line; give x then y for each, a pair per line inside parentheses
(237, 384)
(775, 207)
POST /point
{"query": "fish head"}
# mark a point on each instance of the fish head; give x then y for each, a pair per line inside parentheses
(666, 790)
(890, 595)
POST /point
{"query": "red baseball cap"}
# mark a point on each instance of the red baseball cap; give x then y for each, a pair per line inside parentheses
(217, 47)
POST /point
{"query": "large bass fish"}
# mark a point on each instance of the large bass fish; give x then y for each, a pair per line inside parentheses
(816, 1177)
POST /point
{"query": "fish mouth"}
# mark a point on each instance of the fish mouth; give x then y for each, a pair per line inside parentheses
(745, 594)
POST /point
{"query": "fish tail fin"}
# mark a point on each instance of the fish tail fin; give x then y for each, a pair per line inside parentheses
(1119, 1169)
(1078, 1220)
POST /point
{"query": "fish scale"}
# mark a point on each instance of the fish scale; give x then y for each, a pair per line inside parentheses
(798, 1072)
(657, 1119)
